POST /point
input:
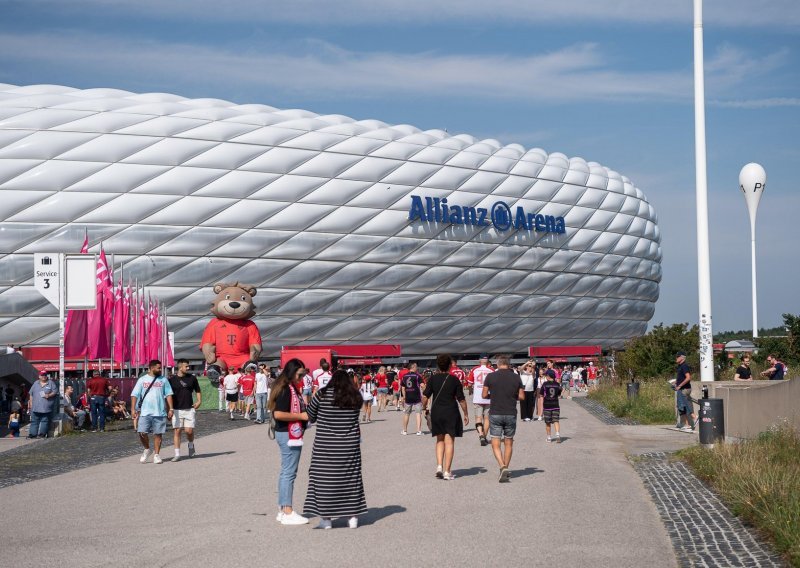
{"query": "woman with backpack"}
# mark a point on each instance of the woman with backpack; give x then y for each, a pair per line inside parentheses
(367, 388)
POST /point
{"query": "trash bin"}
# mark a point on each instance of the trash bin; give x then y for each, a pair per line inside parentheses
(633, 390)
(712, 421)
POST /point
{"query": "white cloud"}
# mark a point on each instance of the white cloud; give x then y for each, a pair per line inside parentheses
(759, 103)
(581, 72)
(736, 13)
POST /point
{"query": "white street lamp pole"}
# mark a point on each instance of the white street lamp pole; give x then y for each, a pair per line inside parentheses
(703, 262)
(752, 181)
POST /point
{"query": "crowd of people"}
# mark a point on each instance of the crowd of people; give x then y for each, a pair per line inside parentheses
(340, 404)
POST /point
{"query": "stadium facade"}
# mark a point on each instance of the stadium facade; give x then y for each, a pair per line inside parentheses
(353, 231)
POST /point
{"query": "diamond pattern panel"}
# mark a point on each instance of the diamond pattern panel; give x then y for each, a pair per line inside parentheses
(314, 210)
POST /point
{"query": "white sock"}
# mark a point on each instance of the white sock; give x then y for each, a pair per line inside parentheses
(177, 452)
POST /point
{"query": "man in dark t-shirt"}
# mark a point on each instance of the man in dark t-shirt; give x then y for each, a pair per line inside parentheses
(683, 386)
(776, 371)
(412, 395)
(743, 372)
(503, 388)
(183, 418)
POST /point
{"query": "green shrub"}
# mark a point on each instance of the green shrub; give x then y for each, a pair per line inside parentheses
(653, 354)
(760, 481)
(654, 405)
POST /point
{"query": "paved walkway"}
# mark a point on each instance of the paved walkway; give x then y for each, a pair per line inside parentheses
(574, 504)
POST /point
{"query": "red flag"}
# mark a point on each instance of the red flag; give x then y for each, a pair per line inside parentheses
(126, 330)
(154, 333)
(99, 328)
(120, 324)
(75, 338)
(141, 334)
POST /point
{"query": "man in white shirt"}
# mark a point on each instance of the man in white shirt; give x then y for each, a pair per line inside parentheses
(231, 383)
(262, 394)
(480, 404)
(320, 377)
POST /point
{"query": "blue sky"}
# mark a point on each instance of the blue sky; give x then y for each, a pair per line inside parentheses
(608, 81)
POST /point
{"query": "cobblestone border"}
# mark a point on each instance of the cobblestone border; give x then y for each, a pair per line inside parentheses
(702, 529)
(602, 413)
(45, 458)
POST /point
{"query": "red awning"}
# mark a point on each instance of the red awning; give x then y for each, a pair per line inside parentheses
(355, 350)
(357, 362)
(557, 351)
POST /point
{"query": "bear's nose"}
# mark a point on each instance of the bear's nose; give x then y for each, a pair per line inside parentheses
(234, 305)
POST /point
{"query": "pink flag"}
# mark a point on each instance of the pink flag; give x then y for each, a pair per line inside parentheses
(126, 330)
(75, 338)
(169, 357)
(99, 328)
(120, 324)
(154, 334)
(141, 333)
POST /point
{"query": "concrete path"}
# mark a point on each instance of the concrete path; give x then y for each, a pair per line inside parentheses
(579, 503)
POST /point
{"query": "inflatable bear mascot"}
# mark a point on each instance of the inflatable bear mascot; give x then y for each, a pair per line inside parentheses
(231, 340)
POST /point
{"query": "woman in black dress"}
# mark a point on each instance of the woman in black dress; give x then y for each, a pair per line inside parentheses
(335, 485)
(446, 394)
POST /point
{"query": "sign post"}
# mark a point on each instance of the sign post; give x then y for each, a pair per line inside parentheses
(78, 292)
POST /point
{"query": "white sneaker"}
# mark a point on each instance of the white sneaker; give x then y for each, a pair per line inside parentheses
(549, 439)
(325, 524)
(293, 519)
(418, 434)
(145, 455)
(353, 522)
(279, 518)
(404, 433)
(176, 458)
(247, 417)
(157, 459)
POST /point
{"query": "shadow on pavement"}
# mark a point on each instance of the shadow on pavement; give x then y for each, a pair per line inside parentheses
(515, 473)
(374, 515)
(469, 471)
(211, 455)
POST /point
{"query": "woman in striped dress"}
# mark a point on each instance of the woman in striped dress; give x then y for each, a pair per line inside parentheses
(335, 486)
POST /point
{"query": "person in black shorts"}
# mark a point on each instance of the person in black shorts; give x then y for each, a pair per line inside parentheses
(550, 392)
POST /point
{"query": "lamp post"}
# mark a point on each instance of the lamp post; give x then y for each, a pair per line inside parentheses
(752, 181)
(701, 183)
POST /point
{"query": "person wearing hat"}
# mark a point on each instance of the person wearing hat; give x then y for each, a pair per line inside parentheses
(683, 388)
(42, 400)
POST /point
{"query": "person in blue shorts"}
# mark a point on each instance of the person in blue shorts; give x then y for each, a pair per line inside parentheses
(151, 405)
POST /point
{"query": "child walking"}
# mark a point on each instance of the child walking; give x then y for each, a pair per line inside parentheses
(550, 392)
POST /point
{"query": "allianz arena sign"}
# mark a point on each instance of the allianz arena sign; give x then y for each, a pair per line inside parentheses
(500, 216)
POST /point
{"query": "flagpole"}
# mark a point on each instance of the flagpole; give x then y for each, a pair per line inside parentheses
(135, 345)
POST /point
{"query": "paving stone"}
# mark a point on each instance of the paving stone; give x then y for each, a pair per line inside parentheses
(602, 413)
(703, 530)
(54, 456)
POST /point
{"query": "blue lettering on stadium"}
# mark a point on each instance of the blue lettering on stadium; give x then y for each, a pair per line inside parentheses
(500, 216)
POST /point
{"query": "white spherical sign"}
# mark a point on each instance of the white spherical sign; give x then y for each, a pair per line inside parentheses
(752, 181)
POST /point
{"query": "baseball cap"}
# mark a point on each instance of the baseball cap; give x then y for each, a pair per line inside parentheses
(680, 354)
(484, 356)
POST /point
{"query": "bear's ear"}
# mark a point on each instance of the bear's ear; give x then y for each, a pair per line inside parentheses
(249, 289)
(219, 287)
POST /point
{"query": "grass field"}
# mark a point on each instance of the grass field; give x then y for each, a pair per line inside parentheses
(654, 405)
(760, 481)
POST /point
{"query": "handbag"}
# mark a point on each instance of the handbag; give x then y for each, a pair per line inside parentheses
(428, 412)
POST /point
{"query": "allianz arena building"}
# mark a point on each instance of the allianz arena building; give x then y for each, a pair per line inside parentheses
(354, 231)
